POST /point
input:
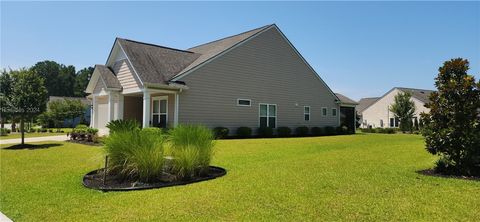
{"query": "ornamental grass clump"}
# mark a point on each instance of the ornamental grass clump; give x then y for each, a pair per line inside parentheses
(136, 153)
(192, 150)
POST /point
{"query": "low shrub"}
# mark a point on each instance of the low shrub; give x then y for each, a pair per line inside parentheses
(284, 131)
(3, 132)
(32, 130)
(244, 132)
(43, 130)
(123, 125)
(136, 154)
(192, 150)
(317, 131)
(265, 132)
(329, 130)
(84, 133)
(220, 132)
(301, 131)
(50, 130)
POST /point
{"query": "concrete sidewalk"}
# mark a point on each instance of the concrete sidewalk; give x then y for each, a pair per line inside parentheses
(4, 218)
(35, 139)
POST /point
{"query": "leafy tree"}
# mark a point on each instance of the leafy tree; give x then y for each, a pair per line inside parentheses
(74, 108)
(452, 127)
(27, 97)
(5, 91)
(81, 81)
(59, 79)
(403, 108)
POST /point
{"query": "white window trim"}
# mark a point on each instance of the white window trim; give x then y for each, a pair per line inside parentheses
(268, 107)
(309, 113)
(238, 102)
(159, 113)
(325, 108)
(336, 111)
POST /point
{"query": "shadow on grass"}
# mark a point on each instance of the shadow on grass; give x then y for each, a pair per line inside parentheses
(31, 146)
(431, 172)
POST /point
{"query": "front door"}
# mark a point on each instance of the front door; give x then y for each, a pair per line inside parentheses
(159, 111)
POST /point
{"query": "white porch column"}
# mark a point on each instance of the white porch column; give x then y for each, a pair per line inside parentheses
(111, 108)
(175, 117)
(146, 109)
(120, 107)
(92, 111)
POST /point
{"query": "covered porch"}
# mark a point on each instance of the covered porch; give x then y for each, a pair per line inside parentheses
(150, 107)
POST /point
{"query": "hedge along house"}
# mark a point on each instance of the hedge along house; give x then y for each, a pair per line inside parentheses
(254, 79)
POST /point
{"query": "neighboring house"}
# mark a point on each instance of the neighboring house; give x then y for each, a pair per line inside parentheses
(254, 79)
(76, 121)
(376, 112)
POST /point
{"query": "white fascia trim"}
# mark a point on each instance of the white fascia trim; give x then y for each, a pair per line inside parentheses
(220, 54)
(128, 59)
(173, 86)
(305, 61)
(93, 81)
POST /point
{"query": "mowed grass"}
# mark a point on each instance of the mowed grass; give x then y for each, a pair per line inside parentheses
(358, 177)
(29, 135)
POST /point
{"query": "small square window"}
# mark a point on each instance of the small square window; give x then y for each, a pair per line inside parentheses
(334, 111)
(244, 102)
(324, 111)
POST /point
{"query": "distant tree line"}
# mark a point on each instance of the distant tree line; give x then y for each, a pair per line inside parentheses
(63, 80)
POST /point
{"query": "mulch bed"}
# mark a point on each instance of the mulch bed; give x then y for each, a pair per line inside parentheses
(85, 142)
(94, 180)
(431, 172)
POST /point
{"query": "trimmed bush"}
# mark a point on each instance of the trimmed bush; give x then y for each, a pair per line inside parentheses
(244, 132)
(329, 130)
(265, 132)
(123, 125)
(32, 130)
(3, 132)
(221, 132)
(284, 131)
(192, 150)
(136, 154)
(84, 133)
(301, 131)
(317, 131)
(341, 130)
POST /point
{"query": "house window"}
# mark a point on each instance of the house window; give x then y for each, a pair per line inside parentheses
(306, 113)
(334, 111)
(268, 115)
(244, 102)
(159, 112)
(324, 111)
(394, 122)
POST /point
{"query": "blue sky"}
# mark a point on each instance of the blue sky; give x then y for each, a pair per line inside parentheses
(361, 49)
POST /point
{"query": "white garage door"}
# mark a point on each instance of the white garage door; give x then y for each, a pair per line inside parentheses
(102, 115)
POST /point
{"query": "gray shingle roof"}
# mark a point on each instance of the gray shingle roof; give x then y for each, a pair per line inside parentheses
(345, 100)
(366, 102)
(420, 94)
(159, 64)
(156, 64)
(108, 77)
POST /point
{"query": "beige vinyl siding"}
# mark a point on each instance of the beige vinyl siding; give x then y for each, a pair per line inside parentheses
(264, 69)
(125, 75)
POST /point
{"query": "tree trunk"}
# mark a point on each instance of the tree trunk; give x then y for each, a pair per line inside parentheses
(22, 130)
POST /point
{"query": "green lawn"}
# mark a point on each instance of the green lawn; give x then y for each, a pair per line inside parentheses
(29, 135)
(358, 177)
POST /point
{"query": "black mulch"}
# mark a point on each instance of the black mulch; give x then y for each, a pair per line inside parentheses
(431, 172)
(94, 180)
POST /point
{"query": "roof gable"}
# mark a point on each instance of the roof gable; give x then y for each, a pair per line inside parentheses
(420, 94)
(153, 63)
